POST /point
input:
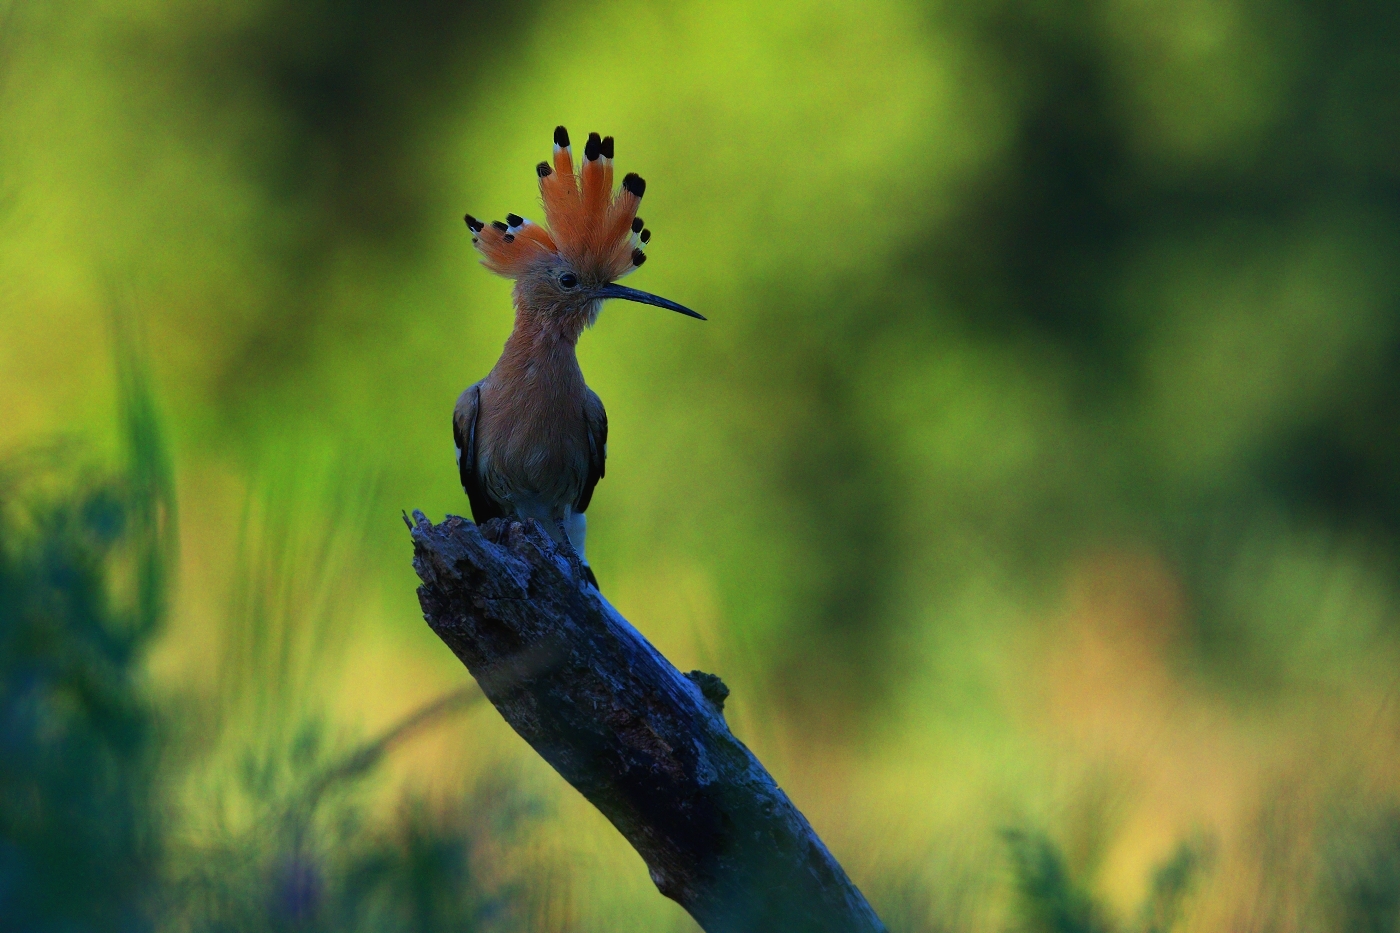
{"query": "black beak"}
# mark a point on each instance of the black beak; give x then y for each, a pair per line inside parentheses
(646, 298)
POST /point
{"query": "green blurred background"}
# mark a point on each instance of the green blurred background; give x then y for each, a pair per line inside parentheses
(1034, 484)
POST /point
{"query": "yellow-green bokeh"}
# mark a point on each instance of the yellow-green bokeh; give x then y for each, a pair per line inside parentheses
(970, 485)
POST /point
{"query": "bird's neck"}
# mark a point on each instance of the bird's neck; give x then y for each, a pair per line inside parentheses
(541, 346)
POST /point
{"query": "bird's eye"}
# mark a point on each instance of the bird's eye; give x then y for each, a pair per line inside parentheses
(568, 280)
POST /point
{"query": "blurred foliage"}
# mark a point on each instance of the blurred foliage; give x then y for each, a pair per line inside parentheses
(1053, 901)
(432, 866)
(1365, 876)
(1043, 424)
(89, 838)
(83, 564)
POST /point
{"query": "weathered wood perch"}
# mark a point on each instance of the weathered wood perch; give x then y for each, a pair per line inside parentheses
(648, 746)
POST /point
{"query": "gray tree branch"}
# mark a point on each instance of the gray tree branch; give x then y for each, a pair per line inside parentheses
(647, 745)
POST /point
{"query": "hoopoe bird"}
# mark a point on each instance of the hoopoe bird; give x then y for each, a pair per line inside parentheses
(532, 438)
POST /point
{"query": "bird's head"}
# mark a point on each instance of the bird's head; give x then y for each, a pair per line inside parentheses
(566, 271)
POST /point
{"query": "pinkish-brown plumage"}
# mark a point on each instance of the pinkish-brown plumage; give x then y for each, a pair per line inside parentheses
(532, 437)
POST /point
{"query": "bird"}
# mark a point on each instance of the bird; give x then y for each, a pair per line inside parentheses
(531, 437)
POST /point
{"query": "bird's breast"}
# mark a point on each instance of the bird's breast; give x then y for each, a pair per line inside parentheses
(532, 443)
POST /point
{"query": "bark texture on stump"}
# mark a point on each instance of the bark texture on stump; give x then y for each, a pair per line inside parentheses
(646, 744)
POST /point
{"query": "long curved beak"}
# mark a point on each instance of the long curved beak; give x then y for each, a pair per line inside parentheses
(646, 298)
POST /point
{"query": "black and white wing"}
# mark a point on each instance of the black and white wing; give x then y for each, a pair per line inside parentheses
(464, 418)
(597, 421)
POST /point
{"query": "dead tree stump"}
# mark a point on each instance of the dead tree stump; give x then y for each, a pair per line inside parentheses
(647, 745)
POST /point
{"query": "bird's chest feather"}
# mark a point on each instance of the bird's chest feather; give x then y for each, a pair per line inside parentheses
(533, 439)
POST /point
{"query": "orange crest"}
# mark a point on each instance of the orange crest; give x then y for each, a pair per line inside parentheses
(594, 229)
